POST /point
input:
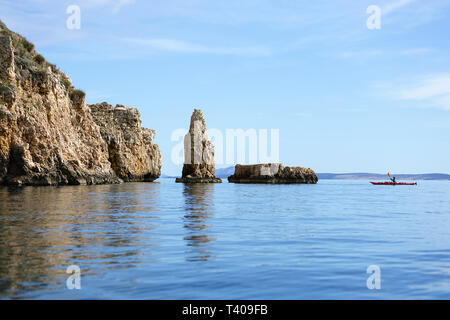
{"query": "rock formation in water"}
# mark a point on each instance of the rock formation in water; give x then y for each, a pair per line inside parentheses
(48, 136)
(198, 153)
(131, 151)
(272, 173)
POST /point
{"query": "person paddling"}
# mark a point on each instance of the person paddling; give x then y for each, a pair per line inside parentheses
(392, 179)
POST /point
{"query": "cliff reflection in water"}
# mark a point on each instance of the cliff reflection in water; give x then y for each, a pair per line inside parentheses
(199, 205)
(45, 229)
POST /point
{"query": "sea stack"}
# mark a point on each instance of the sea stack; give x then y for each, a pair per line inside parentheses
(274, 173)
(198, 153)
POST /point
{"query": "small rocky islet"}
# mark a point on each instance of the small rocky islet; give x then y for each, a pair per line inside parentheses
(274, 173)
(50, 136)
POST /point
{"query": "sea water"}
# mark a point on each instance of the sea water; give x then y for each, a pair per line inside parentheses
(164, 240)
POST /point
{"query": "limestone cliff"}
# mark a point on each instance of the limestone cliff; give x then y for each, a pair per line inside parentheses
(272, 173)
(131, 151)
(48, 136)
(198, 153)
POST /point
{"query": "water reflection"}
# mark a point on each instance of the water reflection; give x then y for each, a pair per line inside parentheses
(199, 205)
(45, 229)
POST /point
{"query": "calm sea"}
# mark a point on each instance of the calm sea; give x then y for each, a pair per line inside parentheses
(165, 240)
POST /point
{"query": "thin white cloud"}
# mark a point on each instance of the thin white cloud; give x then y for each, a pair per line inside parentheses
(433, 90)
(409, 14)
(359, 54)
(443, 102)
(394, 6)
(120, 4)
(171, 45)
(378, 53)
(115, 4)
(428, 88)
(415, 51)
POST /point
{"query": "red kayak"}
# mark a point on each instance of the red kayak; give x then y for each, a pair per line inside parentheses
(392, 184)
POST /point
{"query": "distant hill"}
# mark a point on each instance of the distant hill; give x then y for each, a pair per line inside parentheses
(376, 176)
(165, 176)
(224, 173)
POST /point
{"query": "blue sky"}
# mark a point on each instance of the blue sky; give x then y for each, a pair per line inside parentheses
(345, 98)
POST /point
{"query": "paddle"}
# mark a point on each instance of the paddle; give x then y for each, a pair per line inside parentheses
(389, 175)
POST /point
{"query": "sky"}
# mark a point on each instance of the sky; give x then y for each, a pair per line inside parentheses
(344, 97)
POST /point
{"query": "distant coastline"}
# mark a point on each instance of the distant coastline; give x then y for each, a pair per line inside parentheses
(377, 176)
(224, 173)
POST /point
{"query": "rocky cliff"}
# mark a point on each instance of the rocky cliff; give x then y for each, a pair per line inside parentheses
(272, 173)
(48, 136)
(198, 153)
(131, 151)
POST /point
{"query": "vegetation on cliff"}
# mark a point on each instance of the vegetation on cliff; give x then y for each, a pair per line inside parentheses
(32, 64)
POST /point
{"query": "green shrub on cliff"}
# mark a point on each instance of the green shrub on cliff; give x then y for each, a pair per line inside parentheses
(27, 45)
(54, 67)
(66, 83)
(77, 94)
(39, 59)
(7, 92)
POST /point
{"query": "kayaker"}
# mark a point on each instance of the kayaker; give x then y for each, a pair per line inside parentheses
(393, 180)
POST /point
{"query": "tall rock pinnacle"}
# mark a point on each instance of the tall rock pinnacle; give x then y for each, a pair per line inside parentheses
(198, 153)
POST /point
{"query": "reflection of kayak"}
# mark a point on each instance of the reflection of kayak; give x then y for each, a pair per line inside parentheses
(392, 184)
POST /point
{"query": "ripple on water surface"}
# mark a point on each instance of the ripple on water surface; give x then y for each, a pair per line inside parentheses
(164, 240)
